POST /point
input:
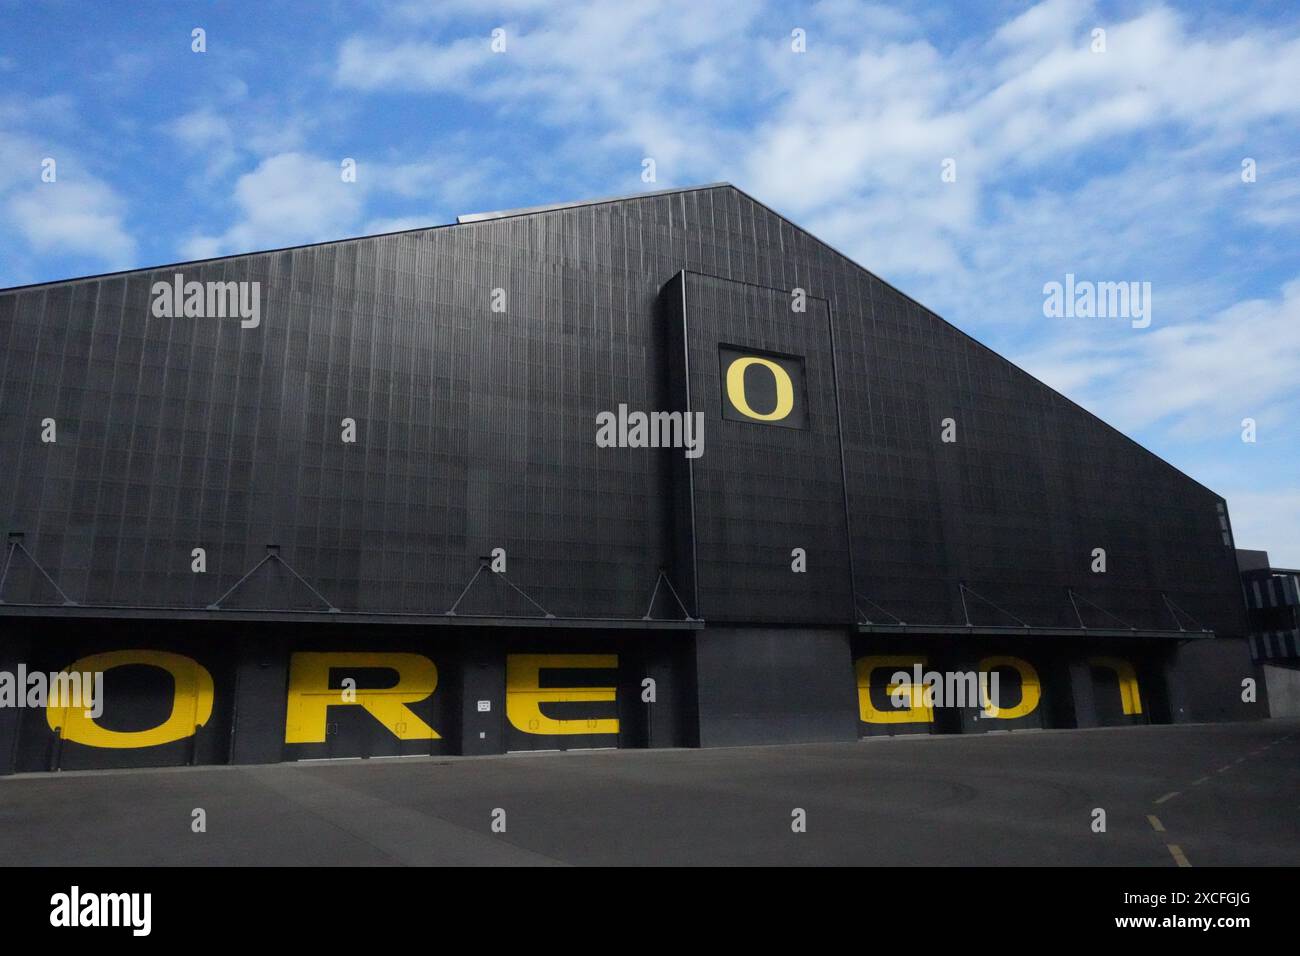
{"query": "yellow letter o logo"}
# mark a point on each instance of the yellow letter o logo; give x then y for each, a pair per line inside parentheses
(736, 389)
(191, 702)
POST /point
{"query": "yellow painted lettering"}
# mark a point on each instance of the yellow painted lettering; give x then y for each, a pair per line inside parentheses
(917, 712)
(736, 389)
(1031, 690)
(525, 695)
(310, 695)
(192, 699)
(1129, 697)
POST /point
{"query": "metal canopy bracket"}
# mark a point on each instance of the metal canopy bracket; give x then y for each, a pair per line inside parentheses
(273, 554)
(1174, 609)
(483, 563)
(1075, 598)
(863, 619)
(966, 612)
(15, 545)
(663, 579)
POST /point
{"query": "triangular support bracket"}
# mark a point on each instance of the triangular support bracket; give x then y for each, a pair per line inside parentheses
(1075, 597)
(964, 590)
(273, 554)
(863, 619)
(1174, 609)
(663, 579)
(483, 565)
(16, 545)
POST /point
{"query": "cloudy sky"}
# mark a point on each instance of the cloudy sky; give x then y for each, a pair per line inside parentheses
(1123, 164)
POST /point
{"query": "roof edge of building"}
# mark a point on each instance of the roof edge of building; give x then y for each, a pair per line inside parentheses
(466, 219)
(962, 332)
(471, 217)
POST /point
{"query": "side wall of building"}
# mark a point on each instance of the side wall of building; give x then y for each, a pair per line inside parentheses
(472, 361)
(187, 693)
(183, 693)
(1283, 688)
(1208, 682)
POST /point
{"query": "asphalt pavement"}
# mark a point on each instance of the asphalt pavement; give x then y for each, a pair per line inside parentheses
(1189, 795)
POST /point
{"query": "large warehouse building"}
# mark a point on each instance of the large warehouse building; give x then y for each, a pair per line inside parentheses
(408, 494)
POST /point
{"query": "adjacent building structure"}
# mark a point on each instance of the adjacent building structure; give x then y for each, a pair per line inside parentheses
(1273, 603)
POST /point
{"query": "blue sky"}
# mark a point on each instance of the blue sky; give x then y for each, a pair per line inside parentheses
(1115, 165)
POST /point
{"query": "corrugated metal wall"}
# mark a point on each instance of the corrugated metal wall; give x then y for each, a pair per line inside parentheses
(180, 694)
(475, 431)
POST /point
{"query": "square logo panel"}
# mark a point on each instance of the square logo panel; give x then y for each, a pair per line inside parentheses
(763, 387)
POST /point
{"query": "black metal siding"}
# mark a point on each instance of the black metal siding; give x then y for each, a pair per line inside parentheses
(475, 431)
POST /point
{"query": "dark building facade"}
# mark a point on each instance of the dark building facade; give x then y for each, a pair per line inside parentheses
(374, 518)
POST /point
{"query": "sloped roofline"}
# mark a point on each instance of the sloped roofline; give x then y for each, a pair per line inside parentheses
(463, 220)
(530, 210)
(468, 219)
(986, 348)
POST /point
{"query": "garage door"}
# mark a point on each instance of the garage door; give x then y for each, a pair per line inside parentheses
(1116, 692)
(879, 696)
(562, 701)
(363, 704)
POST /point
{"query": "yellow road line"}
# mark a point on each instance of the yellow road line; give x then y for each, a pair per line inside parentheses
(1155, 823)
(1177, 853)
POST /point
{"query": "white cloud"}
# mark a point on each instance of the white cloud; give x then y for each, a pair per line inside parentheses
(73, 216)
(203, 247)
(628, 76)
(1273, 200)
(210, 136)
(122, 71)
(1196, 380)
(78, 213)
(203, 129)
(370, 65)
(289, 199)
(379, 226)
(853, 15)
(422, 10)
(296, 198)
(231, 129)
(1053, 22)
(881, 116)
(55, 110)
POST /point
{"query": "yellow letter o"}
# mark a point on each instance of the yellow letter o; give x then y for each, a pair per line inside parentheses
(191, 702)
(1030, 688)
(736, 389)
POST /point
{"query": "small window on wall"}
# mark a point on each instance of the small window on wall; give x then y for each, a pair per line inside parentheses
(763, 388)
(1223, 524)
